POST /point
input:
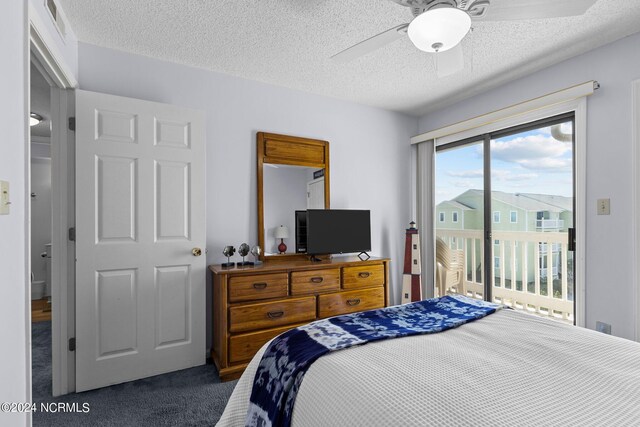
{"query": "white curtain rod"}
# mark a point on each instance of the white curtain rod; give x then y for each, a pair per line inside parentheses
(561, 96)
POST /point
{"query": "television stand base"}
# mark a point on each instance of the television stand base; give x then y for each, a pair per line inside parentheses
(314, 258)
(363, 256)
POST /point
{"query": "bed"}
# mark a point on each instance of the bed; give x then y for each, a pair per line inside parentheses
(509, 368)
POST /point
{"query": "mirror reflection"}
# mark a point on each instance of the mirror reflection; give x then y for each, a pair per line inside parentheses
(288, 189)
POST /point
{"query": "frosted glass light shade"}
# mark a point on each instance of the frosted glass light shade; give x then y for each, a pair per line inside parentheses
(282, 232)
(34, 119)
(438, 30)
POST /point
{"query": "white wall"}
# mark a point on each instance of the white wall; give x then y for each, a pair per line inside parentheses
(40, 213)
(368, 147)
(610, 261)
(15, 334)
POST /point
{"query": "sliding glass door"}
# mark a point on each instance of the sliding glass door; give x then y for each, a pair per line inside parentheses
(504, 217)
(459, 219)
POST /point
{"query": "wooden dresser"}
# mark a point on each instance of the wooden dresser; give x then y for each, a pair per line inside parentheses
(251, 305)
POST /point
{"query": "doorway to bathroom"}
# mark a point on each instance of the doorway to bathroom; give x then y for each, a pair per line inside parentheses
(52, 216)
(41, 220)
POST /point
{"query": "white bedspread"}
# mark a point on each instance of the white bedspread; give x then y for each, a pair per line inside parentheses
(508, 369)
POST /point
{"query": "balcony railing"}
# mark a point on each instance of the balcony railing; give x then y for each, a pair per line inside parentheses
(520, 281)
(550, 224)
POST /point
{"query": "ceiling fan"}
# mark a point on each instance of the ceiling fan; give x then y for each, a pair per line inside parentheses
(439, 26)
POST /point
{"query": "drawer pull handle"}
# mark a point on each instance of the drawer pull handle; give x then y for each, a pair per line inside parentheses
(364, 274)
(275, 314)
(260, 285)
(317, 279)
(353, 302)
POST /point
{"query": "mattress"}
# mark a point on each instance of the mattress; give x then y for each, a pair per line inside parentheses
(509, 368)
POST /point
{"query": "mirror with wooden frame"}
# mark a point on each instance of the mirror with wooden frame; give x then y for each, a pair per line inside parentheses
(293, 176)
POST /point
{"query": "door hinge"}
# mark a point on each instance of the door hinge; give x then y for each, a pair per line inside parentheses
(72, 123)
(72, 344)
(72, 234)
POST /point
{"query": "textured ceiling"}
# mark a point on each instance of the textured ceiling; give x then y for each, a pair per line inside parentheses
(289, 43)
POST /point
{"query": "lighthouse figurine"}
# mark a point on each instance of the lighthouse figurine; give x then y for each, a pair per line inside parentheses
(411, 278)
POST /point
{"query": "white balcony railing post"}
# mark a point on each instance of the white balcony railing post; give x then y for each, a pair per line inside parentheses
(514, 272)
(525, 263)
(564, 254)
(550, 245)
(503, 266)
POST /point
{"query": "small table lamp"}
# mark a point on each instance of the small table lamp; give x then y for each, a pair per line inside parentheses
(282, 233)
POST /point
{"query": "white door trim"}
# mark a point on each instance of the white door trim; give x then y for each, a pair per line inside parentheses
(580, 172)
(635, 125)
(63, 218)
(45, 50)
(56, 71)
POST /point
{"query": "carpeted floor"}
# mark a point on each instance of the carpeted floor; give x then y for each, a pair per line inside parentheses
(191, 397)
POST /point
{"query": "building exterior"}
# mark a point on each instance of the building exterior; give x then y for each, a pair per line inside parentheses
(510, 212)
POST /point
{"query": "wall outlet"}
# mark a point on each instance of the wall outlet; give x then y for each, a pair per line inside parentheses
(603, 327)
(604, 206)
(5, 201)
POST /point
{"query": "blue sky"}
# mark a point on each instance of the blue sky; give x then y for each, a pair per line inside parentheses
(528, 162)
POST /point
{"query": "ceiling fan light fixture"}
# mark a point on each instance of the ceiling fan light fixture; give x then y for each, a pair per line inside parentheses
(440, 29)
(34, 119)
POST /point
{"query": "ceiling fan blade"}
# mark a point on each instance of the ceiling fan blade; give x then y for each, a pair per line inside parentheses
(371, 44)
(449, 62)
(508, 10)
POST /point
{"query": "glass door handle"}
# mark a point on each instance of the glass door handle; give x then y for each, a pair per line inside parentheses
(572, 240)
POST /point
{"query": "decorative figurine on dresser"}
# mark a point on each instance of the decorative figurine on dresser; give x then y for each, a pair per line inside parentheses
(243, 251)
(253, 304)
(228, 251)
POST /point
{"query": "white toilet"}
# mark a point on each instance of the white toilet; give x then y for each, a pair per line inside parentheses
(37, 288)
(42, 288)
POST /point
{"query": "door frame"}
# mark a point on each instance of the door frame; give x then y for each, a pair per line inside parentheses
(578, 107)
(50, 62)
(635, 137)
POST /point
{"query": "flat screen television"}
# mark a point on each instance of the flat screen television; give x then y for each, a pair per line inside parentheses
(338, 231)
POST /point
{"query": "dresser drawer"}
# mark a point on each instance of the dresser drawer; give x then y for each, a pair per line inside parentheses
(315, 281)
(244, 346)
(248, 317)
(350, 301)
(365, 276)
(258, 286)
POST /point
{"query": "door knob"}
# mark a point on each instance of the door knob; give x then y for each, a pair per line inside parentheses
(196, 251)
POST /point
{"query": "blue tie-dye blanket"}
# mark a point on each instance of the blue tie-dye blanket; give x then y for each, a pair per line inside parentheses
(290, 355)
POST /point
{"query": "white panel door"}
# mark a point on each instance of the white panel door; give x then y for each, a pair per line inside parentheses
(140, 212)
(315, 194)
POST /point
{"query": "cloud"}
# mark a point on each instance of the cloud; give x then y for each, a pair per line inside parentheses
(538, 151)
(550, 164)
(476, 173)
(464, 184)
(498, 174)
(507, 175)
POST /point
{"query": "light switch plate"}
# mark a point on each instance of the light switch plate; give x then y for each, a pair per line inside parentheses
(604, 206)
(5, 201)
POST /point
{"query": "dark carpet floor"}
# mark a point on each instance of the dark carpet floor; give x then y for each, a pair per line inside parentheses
(191, 397)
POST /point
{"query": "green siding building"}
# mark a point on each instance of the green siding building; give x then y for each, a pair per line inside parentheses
(511, 212)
